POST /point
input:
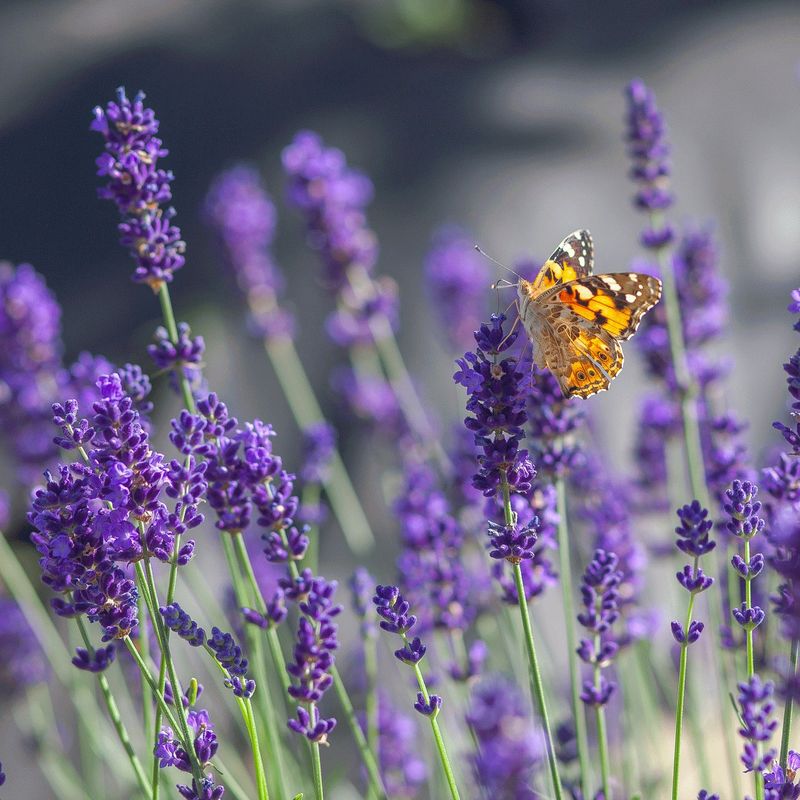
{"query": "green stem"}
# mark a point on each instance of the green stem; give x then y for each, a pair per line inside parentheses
(303, 403)
(172, 330)
(437, 734)
(788, 707)
(371, 699)
(147, 700)
(676, 758)
(233, 545)
(162, 669)
(367, 756)
(748, 599)
(565, 569)
(537, 690)
(316, 766)
(602, 734)
(147, 579)
(116, 719)
(536, 682)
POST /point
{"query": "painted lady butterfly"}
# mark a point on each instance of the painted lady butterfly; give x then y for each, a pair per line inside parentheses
(576, 320)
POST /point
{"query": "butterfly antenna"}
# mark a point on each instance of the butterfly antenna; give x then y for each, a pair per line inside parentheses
(495, 261)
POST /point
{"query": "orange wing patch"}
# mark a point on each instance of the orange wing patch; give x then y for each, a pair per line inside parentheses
(615, 302)
(570, 261)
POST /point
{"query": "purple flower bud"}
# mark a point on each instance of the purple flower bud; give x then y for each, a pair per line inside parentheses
(99, 661)
(428, 708)
(694, 581)
(412, 652)
(748, 618)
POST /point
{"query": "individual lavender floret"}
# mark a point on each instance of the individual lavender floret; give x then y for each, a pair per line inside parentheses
(139, 187)
(779, 783)
(2, 775)
(704, 795)
(243, 215)
(756, 708)
(509, 745)
(22, 661)
(313, 655)
(497, 408)
(98, 661)
(600, 596)
(457, 277)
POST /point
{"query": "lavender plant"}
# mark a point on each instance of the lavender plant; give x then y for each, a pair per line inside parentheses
(129, 515)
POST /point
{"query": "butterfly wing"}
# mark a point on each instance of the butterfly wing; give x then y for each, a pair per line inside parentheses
(586, 320)
(571, 260)
(615, 302)
(583, 358)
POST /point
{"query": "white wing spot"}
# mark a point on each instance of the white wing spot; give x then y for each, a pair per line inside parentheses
(611, 283)
(569, 250)
(582, 261)
(633, 276)
(584, 292)
(629, 298)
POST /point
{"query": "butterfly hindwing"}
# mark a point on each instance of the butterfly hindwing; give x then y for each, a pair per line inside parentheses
(614, 302)
(583, 358)
(571, 260)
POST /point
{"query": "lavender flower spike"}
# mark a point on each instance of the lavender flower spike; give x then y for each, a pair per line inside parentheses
(139, 187)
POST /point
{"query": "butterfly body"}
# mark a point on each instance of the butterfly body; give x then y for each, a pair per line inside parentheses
(576, 320)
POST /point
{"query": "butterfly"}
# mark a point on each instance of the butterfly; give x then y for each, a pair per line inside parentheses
(576, 320)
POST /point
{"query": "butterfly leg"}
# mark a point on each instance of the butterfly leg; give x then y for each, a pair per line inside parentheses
(513, 327)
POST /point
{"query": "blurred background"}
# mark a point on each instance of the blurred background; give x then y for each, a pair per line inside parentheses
(504, 116)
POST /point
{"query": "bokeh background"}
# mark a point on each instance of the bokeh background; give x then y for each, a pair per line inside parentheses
(504, 116)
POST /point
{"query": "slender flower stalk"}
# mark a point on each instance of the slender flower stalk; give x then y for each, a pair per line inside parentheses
(396, 618)
(497, 414)
(693, 540)
(745, 523)
(600, 593)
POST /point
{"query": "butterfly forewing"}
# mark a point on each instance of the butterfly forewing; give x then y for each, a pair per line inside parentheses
(572, 259)
(615, 302)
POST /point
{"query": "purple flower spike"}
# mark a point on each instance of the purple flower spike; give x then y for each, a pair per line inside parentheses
(139, 188)
(743, 509)
(649, 151)
(227, 652)
(600, 595)
(756, 708)
(243, 216)
(428, 708)
(99, 661)
(496, 403)
(393, 609)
